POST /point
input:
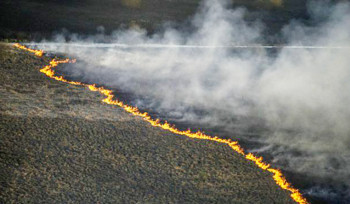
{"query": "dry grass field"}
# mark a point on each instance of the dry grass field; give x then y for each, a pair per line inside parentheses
(60, 144)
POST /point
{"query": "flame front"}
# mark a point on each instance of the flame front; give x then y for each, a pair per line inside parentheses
(276, 174)
(36, 52)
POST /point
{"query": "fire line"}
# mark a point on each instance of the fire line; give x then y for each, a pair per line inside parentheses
(276, 173)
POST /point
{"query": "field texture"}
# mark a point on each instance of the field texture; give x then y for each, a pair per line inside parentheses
(60, 144)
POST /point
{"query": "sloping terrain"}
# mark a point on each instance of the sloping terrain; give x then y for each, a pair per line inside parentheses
(59, 143)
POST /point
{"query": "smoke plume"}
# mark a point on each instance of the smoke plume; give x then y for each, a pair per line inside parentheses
(292, 99)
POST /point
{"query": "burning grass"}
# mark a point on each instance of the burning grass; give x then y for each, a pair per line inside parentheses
(59, 144)
(277, 174)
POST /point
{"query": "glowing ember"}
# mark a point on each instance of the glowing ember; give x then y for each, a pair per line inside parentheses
(276, 174)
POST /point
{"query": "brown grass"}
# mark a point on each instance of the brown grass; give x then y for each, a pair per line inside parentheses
(59, 144)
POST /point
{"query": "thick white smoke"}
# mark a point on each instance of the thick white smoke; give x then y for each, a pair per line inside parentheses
(300, 96)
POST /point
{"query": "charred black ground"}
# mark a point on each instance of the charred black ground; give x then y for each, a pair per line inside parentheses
(37, 19)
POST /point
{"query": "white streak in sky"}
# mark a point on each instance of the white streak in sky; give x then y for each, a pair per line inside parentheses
(118, 45)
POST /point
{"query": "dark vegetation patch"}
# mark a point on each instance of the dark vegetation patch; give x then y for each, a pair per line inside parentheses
(37, 19)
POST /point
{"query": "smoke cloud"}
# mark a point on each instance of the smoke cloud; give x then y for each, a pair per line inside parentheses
(293, 99)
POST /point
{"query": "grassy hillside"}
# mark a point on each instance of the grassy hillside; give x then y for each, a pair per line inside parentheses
(59, 143)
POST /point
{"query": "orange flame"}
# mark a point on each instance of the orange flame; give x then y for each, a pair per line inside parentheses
(276, 173)
(36, 52)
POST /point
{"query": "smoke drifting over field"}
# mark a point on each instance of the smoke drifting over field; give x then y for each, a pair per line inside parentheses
(296, 99)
